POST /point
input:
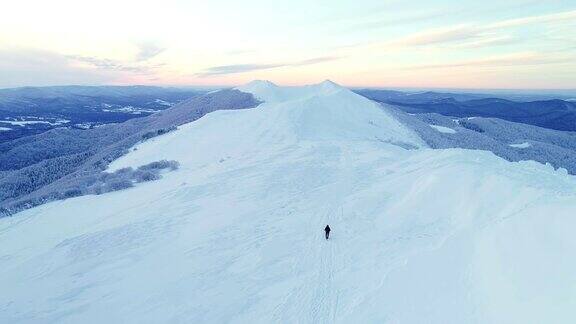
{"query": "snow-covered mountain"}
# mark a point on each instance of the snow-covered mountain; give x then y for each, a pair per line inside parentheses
(236, 234)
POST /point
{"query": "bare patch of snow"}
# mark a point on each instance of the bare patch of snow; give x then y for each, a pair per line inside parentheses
(443, 129)
(32, 122)
(521, 145)
(130, 110)
(163, 102)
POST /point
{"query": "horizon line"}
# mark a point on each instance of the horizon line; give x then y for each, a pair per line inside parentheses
(370, 87)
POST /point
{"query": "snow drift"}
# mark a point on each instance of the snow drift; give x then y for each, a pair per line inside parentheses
(236, 234)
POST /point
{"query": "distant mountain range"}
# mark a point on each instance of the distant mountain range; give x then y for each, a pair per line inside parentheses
(551, 113)
(32, 110)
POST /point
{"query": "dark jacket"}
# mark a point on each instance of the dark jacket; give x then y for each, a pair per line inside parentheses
(327, 228)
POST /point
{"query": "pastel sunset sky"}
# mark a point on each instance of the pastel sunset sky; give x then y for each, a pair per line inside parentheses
(514, 44)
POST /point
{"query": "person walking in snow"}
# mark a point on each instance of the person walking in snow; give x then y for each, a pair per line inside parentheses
(327, 230)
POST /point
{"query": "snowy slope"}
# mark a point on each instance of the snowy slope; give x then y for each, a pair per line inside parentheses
(289, 116)
(235, 235)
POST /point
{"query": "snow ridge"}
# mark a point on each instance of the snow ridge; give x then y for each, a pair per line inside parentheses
(330, 111)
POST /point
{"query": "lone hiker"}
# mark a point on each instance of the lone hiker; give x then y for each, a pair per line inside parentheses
(327, 230)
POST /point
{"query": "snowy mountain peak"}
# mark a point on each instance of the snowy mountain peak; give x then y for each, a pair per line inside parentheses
(257, 85)
(329, 84)
(329, 111)
(270, 92)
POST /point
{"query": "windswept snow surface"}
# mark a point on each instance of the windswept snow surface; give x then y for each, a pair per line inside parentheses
(236, 234)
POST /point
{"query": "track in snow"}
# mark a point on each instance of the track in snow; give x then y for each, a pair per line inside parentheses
(316, 300)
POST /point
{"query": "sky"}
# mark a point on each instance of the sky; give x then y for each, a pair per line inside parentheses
(489, 44)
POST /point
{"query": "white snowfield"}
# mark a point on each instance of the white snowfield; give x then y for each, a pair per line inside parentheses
(236, 234)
